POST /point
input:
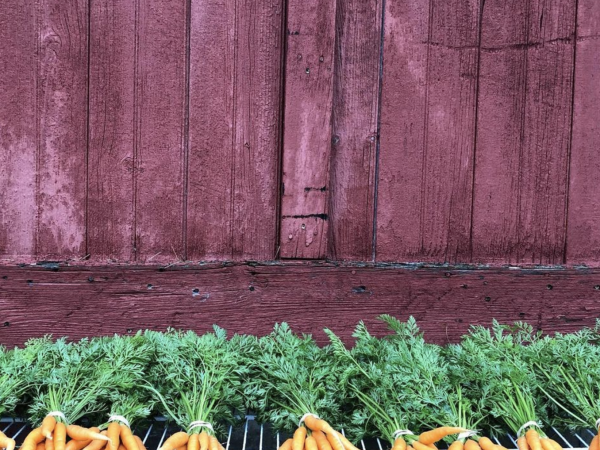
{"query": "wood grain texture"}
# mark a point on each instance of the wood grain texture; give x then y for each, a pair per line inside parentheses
(159, 153)
(355, 127)
(427, 130)
(62, 128)
(307, 137)
(111, 131)
(583, 238)
(248, 298)
(523, 140)
(18, 131)
(235, 111)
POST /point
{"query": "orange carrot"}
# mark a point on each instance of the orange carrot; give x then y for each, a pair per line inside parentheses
(546, 444)
(472, 445)
(175, 441)
(194, 442)
(432, 446)
(77, 445)
(6, 442)
(335, 442)
(127, 438)
(113, 433)
(486, 444)
(40, 446)
(420, 446)
(78, 433)
(522, 443)
(97, 444)
(49, 444)
(533, 439)
(287, 445)
(140, 443)
(457, 445)
(214, 443)
(399, 444)
(321, 439)
(48, 425)
(310, 443)
(204, 440)
(430, 437)
(298, 439)
(594, 443)
(347, 444)
(34, 438)
(121, 447)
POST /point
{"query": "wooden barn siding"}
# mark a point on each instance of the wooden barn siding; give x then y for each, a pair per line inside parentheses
(136, 135)
(250, 298)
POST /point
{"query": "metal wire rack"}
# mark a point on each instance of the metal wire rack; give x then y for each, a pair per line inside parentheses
(255, 436)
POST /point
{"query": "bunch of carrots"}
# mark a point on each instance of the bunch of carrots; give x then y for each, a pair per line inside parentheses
(53, 434)
(196, 441)
(322, 437)
(532, 440)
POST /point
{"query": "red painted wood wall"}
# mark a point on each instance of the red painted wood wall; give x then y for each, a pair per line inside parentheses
(375, 131)
(457, 131)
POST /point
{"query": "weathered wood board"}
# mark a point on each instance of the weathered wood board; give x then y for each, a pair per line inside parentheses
(250, 298)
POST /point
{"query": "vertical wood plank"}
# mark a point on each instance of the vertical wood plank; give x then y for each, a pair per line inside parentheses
(355, 126)
(523, 132)
(62, 109)
(18, 118)
(111, 133)
(583, 238)
(427, 130)
(159, 154)
(235, 98)
(307, 137)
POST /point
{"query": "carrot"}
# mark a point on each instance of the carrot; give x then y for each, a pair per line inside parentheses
(214, 443)
(594, 443)
(49, 444)
(546, 444)
(555, 444)
(140, 443)
(533, 439)
(175, 441)
(322, 441)
(40, 446)
(113, 433)
(420, 446)
(204, 440)
(486, 444)
(472, 445)
(77, 445)
(34, 438)
(194, 442)
(127, 438)
(335, 442)
(97, 444)
(48, 425)
(298, 439)
(78, 433)
(6, 442)
(429, 437)
(457, 445)
(399, 444)
(121, 447)
(522, 443)
(432, 446)
(347, 444)
(310, 443)
(287, 445)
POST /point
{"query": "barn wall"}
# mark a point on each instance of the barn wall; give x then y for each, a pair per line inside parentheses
(454, 131)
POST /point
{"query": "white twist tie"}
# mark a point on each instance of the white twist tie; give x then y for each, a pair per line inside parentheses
(58, 414)
(117, 418)
(201, 423)
(399, 433)
(531, 423)
(466, 434)
(305, 416)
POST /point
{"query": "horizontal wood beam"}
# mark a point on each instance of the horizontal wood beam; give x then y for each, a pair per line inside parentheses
(251, 297)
